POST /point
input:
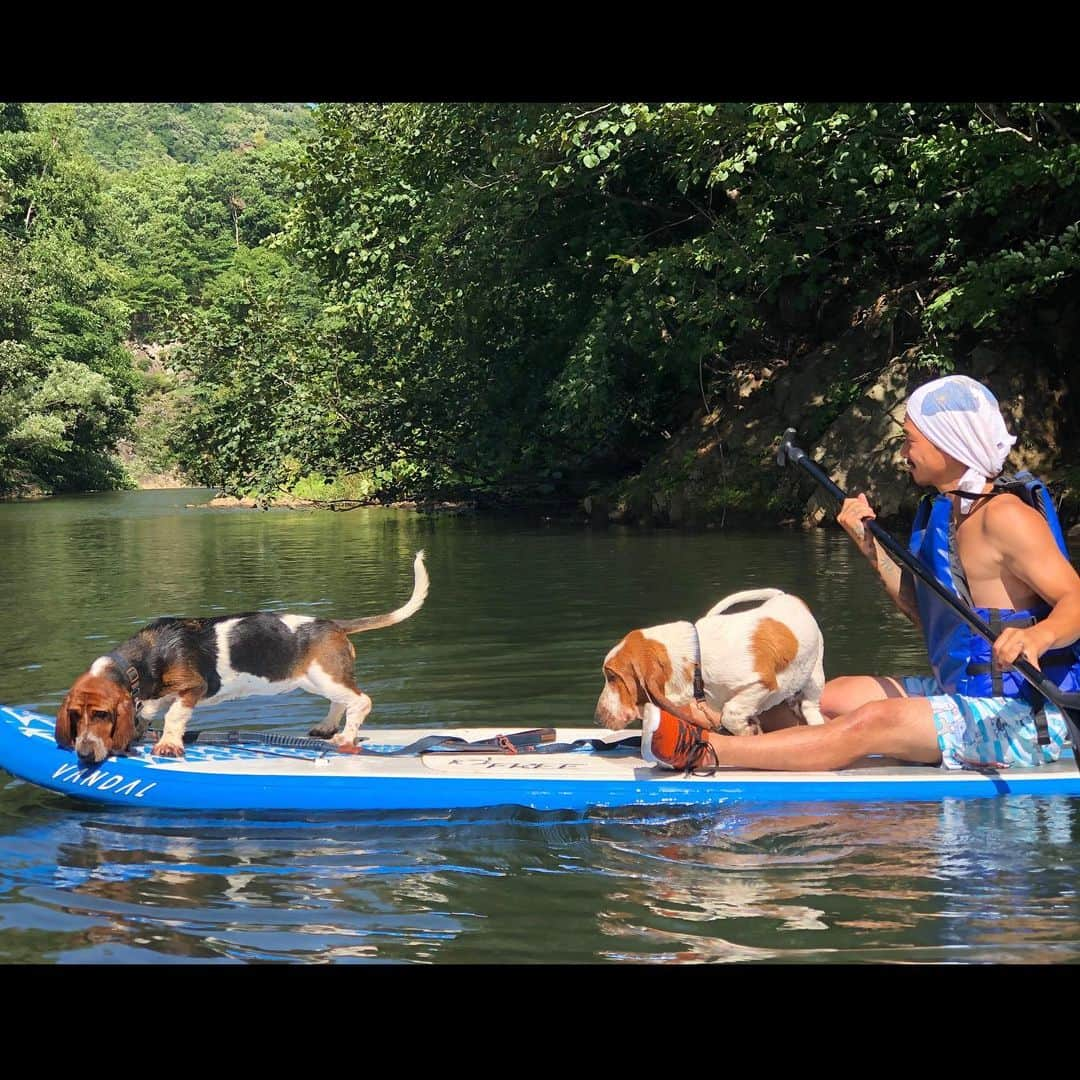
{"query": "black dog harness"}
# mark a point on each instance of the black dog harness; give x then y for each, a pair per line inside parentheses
(131, 673)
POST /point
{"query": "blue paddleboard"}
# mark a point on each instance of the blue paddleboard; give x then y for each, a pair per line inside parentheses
(253, 777)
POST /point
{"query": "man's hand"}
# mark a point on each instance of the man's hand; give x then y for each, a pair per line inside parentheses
(899, 584)
(1030, 643)
(851, 517)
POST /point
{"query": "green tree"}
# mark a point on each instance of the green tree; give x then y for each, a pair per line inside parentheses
(538, 291)
(174, 228)
(123, 136)
(66, 385)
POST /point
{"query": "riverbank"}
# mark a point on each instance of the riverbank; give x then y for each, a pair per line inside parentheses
(288, 502)
(843, 392)
(841, 389)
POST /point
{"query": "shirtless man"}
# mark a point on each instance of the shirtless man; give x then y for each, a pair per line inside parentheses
(976, 711)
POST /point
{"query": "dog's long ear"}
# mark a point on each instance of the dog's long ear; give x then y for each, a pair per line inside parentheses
(65, 734)
(621, 669)
(650, 664)
(124, 728)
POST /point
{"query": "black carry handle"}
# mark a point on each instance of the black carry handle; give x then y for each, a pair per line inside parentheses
(1067, 702)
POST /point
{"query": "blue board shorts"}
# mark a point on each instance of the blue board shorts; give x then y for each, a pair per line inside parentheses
(987, 732)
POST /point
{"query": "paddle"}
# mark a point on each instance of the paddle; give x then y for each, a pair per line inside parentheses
(1068, 703)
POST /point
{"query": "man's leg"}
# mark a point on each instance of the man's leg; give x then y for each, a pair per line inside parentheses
(841, 695)
(846, 693)
(899, 727)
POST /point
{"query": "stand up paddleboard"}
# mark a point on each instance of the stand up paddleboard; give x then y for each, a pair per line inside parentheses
(271, 777)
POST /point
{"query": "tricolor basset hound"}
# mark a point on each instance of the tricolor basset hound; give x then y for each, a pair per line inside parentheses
(752, 651)
(178, 664)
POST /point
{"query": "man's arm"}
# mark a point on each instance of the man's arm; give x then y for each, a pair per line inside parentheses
(899, 582)
(1029, 552)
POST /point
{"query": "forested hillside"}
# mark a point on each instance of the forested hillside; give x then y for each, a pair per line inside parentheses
(121, 135)
(96, 260)
(511, 301)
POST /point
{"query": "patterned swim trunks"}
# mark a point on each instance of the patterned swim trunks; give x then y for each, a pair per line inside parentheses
(987, 732)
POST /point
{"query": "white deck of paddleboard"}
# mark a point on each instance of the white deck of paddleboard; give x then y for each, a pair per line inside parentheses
(620, 765)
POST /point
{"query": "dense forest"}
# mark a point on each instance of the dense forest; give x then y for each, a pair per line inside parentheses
(123, 136)
(496, 301)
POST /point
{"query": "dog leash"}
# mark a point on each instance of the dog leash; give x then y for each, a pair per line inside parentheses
(534, 740)
(699, 682)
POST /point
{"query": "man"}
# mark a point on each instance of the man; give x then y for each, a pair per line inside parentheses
(975, 711)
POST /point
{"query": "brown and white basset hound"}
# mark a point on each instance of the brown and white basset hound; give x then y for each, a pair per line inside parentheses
(749, 653)
(176, 665)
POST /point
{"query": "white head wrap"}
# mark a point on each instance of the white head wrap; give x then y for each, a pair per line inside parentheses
(961, 417)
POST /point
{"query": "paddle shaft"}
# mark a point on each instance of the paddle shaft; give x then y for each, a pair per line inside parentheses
(1064, 701)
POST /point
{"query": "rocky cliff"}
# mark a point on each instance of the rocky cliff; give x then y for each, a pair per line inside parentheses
(845, 399)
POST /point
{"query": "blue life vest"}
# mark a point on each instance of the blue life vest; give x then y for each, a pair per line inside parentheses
(961, 658)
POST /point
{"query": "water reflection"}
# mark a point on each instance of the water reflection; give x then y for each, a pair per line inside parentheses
(966, 879)
(905, 883)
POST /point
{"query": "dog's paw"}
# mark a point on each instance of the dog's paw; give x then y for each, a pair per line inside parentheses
(323, 731)
(706, 718)
(715, 722)
(168, 748)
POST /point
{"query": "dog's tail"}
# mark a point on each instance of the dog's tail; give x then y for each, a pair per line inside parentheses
(416, 601)
(750, 597)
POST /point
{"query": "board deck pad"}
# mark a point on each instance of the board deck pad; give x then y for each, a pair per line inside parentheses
(216, 777)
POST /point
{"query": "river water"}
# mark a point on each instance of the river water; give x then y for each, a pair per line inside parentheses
(519, 617)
